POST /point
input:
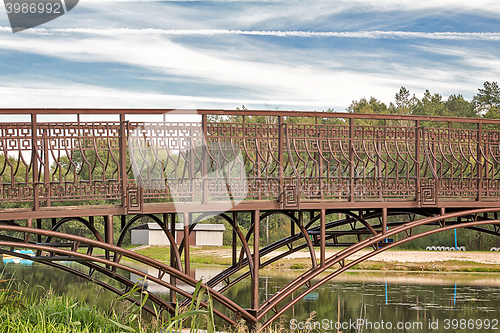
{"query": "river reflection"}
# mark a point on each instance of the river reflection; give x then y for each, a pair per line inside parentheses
(374, 297)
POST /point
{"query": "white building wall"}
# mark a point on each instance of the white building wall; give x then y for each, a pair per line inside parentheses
(212, 238)
(139, 236)
(158, 237)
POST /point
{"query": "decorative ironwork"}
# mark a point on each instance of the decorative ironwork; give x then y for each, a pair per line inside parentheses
(363, 167)
(134, 200)
(428, 196)
(291, 197)
(343, 157)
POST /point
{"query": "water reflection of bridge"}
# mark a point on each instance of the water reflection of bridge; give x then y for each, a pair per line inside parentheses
(349, 180)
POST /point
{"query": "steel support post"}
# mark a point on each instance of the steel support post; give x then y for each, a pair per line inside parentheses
(323, 237)
(29, 224)
(234, 244)
(186, 242)
(256, 261)
(384, 220)
(108, 229)
(123, 222)
(173, 281)
(39, 226)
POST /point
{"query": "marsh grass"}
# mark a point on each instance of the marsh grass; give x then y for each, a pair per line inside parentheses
(50, 313)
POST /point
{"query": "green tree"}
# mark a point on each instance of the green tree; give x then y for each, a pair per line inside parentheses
(458, 107)
(488, 100)
(371, 105)
(431, 105)
(404, 104)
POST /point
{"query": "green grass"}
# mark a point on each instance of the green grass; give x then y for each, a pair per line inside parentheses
(206, 255)
(61, 314)
(50, 314)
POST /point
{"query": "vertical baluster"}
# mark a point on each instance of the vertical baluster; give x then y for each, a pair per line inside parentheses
(351, 159)
(204, 153)
(417, 157)
(123, 160)
(280, 157)
(34, 162)
(479, 169)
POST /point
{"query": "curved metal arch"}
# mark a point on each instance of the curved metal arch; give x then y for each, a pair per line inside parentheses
(244, 243)
(262, 252)
(303, 230)
(56, 227)
(129, 284)
(342, 255)
(243, 240)
(233, 269)
(117, 265)
(167, 232)
(268, 249)
(349, 213)
(163, 268)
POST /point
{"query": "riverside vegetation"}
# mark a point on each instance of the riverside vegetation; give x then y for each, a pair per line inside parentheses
(61, 314)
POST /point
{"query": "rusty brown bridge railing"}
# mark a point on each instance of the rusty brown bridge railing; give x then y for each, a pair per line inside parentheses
(214, 160)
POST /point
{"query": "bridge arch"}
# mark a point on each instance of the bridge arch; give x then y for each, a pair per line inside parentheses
(165, 229)
(86, 223)
(306, 278)
(109, 267)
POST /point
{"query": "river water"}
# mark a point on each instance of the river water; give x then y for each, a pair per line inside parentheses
(352, 302)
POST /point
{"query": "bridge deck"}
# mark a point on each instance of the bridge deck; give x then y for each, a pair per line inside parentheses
(242, 160)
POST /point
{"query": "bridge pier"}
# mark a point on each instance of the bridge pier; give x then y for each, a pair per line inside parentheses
(108, 229)
(173, 281)
(256, 261)
(384, 220)
(323, 237)
(234, 243)
(187, 220)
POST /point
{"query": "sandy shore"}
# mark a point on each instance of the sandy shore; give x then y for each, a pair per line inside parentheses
(415, 256)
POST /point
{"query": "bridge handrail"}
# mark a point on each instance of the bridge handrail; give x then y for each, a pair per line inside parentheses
(222, 112)
(284, 162)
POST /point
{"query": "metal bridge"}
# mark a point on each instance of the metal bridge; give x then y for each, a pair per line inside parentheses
(378, 175)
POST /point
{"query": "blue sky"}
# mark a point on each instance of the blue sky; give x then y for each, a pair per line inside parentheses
(288, 55)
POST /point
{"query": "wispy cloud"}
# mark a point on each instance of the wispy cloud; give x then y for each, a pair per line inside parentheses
(482, 36)
(297, 54)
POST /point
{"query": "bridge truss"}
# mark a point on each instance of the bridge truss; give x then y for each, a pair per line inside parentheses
(342, 180)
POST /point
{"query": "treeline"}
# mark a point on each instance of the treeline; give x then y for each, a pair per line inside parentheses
(486, 104)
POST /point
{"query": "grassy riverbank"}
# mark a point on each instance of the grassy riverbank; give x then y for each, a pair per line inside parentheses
(51, 313)
(222, 256)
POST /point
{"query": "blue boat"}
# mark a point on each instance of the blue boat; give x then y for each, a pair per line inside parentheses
(7, 258)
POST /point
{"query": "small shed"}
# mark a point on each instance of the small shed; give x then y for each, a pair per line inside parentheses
(203, 234)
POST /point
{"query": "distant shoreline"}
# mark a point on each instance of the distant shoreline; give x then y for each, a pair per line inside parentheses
(393, 260)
